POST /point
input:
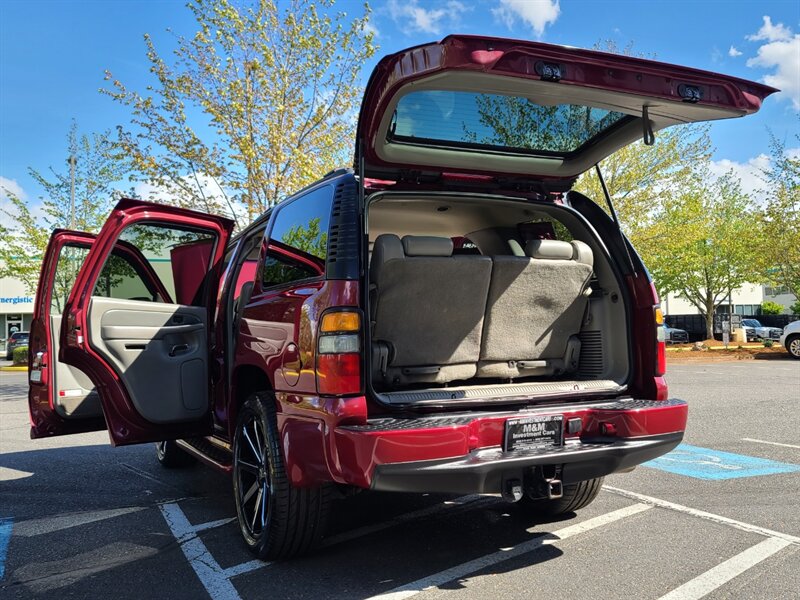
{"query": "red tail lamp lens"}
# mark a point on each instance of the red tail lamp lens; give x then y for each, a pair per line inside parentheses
(339, 374)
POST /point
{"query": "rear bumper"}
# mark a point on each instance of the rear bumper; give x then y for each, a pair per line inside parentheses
(461, 452)
(483, 471)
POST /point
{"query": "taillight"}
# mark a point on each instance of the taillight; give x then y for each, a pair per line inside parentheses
(661, 344)
(339, 353)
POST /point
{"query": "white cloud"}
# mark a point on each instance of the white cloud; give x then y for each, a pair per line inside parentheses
(9, 187)
(369, 27)
(749, 173)
(781, 54)
(537, 14)
(770, 32)
(732, 51)
(411, 17)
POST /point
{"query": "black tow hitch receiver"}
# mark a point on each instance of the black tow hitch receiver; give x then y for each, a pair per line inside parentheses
(512, 490)
(545, 482)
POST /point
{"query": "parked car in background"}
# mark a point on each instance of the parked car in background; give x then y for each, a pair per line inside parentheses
(756, 331)
(673, 335)
(16, 340)
(791, 339)
(340, 342)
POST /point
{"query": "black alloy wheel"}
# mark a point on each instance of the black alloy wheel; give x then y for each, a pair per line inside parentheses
(171, 456)
(276, 519)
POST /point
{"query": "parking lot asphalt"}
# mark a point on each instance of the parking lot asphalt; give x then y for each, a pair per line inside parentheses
(79, 519)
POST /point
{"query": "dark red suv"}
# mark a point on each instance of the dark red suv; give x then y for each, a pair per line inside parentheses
(449, 316)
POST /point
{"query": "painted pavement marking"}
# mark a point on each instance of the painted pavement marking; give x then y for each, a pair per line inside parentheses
(6, 524)
(51, 524)
(705, 463)
(721, 574)
(9, 474)
(215, 579)
(704, 515)
(536, 544)
(770, 443)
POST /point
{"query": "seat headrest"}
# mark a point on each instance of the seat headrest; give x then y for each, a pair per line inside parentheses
(425, 245)
(387, 247)
(583, 253)
(549, 249)
(558, 250)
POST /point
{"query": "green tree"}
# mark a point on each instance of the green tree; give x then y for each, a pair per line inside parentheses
(26, 228)
(771, 308)
(704, 247)
(278, 88)
(642, 180)
(780, 218)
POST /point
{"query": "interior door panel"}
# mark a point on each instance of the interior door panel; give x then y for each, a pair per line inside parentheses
(74, 395)
(160, 351)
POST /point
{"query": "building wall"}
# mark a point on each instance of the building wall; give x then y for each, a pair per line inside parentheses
(746, 300)
(16, 308)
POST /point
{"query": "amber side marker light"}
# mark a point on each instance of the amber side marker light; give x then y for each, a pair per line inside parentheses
(661, 344)
(340, 321)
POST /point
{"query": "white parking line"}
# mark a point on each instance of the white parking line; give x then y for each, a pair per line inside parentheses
(704, 515)
(58, 523)
(459, 571)
(215, 579)
(770, 443)
(724, 572)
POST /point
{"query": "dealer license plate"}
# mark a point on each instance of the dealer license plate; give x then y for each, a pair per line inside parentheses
(533, 432)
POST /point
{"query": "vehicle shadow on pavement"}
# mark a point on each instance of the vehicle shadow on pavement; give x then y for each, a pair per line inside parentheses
(86, 519)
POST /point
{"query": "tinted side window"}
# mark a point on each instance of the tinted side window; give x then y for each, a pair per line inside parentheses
(118, 279)
(280, 270)
(179, 257)
(303, 223)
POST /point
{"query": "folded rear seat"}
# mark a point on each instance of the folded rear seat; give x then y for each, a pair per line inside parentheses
(427, 310)
(534, 310)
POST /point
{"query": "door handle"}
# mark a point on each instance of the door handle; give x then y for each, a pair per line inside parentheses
(178, 348)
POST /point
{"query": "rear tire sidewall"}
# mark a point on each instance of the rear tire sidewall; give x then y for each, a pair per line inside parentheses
(576, 496)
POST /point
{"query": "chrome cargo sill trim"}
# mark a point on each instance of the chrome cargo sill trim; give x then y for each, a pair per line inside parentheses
(500, 392)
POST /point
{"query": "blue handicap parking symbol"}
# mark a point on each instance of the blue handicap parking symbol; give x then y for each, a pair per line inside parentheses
(704, 463)
(5, 536)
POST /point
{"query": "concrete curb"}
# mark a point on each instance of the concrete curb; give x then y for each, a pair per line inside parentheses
(13, 368)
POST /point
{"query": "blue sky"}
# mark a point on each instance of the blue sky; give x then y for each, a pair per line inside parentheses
(53, 55)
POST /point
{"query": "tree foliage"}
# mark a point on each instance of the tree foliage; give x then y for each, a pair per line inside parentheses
(275, 89)
(642, 180)
(704, 248)
(768, 307)
(27, 226)
(780, 218)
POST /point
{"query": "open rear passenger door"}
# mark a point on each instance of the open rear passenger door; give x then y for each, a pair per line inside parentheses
(62, 399)
(144, 345)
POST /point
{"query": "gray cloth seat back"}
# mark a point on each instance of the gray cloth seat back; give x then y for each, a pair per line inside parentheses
(427, 309)
(534, 311)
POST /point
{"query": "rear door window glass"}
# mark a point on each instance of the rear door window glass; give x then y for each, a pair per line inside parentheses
(497, 122)
(180, 258)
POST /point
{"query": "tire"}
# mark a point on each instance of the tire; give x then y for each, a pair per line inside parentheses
(576, 496)
(276, 519)
(172, 457)
(793, 346)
